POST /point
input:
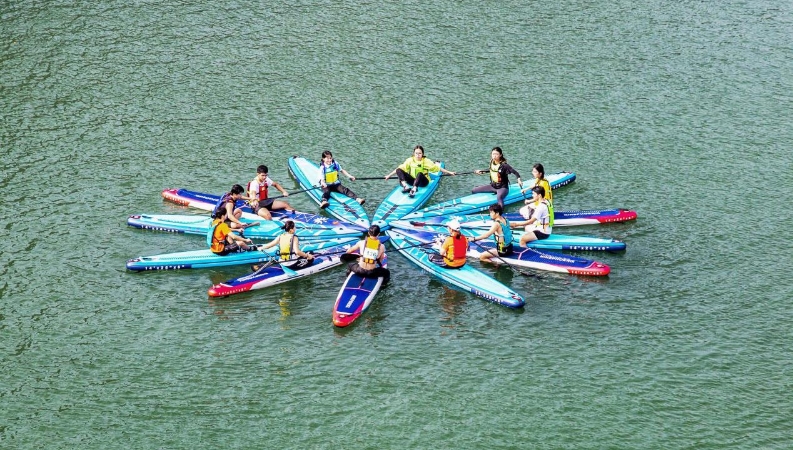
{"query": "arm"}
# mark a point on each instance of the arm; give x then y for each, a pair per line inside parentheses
(391, 174)
(493, 229)
(510, 169)
(281, 189)
(271, 244)
(352, 178)
(239, 239)
(300, 252)
(230, 214)
(353, 248)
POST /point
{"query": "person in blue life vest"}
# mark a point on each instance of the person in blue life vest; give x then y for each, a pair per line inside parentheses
(540, 224)
(499, 176)
(502, 234)
(258, 194)
(228, 204)
(289, 248)
(454, 249)
(222, 240)
(329, 171)
(414, 172)
(372, 251)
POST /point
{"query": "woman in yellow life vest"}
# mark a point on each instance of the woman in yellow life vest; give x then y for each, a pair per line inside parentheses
(329, 171)
(454, 248)
(414, 172)
(540, 224)
(372, 251)
(539, 180)
(289, 248)
(221, 240)
(499, 179)
(502, 233)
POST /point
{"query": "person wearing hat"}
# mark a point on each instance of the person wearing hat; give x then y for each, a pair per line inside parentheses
(221, 240)
(501, 232)
(289, 246)
(453, 251)
(372, 251)
(540, 224)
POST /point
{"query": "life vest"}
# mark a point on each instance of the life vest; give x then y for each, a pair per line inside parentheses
(414, 167)
(286, 249)
(506, 236)
(371, 250)
(331, 173)
(216, 240)
(495, 174)
(456, 252)
(550, 213)
(225, 198)
(263, 187)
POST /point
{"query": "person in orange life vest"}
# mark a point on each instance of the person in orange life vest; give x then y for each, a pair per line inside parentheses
(228, 204)
(501, 232)
(453, 251)
(329, 171)
(539, 180)
(223, 240)
(289, 246)
(372, 251)
(414, 172)
(499, 179)
(540, 224)
(258, 194)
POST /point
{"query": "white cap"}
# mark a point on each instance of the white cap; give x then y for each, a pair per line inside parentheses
(454, 224)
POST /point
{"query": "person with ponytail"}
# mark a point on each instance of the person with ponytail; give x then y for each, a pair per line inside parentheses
(289, 246)
(329, 171)
(539, 180)
(499, 176)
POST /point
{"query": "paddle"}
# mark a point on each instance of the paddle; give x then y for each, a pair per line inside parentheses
(511, 266)
(442, 175)
(295, 192)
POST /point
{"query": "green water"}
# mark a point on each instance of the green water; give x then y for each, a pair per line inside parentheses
(679, 110)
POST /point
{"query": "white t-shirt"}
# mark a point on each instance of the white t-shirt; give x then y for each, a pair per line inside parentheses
(255, 185)
(542, 219)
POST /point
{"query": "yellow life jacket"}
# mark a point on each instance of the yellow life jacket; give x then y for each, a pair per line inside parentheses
(286, 248)
(414, 167)
(371, 250)
(331, 173)
(495, 175)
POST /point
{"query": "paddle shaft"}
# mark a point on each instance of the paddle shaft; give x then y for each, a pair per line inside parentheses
(443, 175)
(513, 267)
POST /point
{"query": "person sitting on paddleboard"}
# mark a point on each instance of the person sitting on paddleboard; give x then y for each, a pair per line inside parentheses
(453, 251)
(228, 204)
(222, 240)
(501, 232)
(257, 194)
(372, 251)
(499, 176)
(289, 247)
(539, 180)
(329, 171)
(414, 172)
(540, 224)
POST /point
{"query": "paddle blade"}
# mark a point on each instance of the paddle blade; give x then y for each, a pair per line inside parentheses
(288, 271)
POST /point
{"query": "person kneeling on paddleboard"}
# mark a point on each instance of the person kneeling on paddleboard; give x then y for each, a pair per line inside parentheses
(370, 263)
(221, 240)
(501, 232)
(454, 248)
(540, 224)
(289, 247)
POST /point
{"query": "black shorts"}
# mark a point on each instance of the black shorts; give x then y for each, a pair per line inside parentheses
(540, 235)
(266, 204)
(229, 248)
(301, 263)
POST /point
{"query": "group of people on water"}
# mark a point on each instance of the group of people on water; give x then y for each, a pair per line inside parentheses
(412, 174)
